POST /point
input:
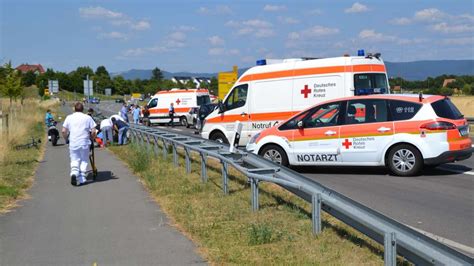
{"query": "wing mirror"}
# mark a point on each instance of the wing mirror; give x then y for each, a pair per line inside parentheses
(220, 105)
(300, 124)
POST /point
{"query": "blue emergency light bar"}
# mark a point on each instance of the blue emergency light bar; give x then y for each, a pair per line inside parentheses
(261, 62)
(369, 91)
(361, 52)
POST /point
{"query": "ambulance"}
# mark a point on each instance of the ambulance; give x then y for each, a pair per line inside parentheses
(401, 132)
(274, 90)
(182, 99)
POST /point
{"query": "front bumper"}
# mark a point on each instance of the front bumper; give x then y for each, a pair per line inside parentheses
(251, 148)
(450, 156)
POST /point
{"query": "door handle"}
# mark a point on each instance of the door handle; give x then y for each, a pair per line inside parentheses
(330, 133)
(383, 129)
(243, 114)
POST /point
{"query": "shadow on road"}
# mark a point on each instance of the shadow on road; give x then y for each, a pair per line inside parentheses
(102, 176)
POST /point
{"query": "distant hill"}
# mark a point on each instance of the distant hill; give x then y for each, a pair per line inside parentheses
(417, 70)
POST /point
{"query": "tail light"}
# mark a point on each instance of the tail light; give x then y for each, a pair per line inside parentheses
(439, 125)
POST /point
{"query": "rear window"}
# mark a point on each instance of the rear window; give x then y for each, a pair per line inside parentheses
(401, 110)
(204, 99)
(446, 109)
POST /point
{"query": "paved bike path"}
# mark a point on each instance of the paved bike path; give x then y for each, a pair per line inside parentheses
(112, 221)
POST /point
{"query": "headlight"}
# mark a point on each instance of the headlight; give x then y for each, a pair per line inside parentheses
(254, 138)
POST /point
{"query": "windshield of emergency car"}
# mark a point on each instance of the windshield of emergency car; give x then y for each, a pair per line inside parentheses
(370, 81)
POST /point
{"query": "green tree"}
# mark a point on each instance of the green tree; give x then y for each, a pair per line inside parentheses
(11, 86)
(156, 74)
(120, 85)
(213, 86)
(28, 79)
(466, 89)
(189, 85)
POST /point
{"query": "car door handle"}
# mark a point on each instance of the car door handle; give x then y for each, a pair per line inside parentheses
(243, 114)
(383, 129)
(330, 133)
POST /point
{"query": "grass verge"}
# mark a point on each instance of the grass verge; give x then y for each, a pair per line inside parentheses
(228, 232)
(17, 166)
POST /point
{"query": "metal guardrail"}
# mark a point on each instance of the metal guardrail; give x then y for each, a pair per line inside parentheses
(394, 236)
(470, 120)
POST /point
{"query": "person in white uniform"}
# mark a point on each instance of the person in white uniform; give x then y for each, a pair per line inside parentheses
(79, 128)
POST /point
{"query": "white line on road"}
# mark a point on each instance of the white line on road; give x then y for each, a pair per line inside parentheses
(456, 171)
(445, 241)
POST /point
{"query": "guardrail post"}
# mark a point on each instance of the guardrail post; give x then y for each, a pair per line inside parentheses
(316, 213)
(165, 149)
(203, 167)
(175, 154)
(142, 142)
(148, 147)
(155, 146)
(254, 189)
(390, 249)
(225, 185)
(187, 160)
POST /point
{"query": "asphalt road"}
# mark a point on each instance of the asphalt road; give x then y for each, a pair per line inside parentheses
(440, 202)
(111, 221)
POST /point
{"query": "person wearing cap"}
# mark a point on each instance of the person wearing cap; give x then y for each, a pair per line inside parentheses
(79, 128)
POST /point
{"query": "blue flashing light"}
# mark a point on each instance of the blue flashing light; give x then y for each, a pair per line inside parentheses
(361, 52)
(369, 91)
(261, 62)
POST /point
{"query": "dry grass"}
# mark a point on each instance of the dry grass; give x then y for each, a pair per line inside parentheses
(228, 232)
(465, 104)
(17, 166)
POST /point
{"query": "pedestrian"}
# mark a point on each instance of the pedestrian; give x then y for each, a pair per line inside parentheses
(106, 128)
(123, 112)
(171, 113)
(121, 128)
(136, 114)
(79, 128)
(146, 116)
(90, 112)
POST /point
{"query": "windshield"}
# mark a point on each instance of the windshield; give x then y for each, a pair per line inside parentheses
(370, 81)
(203, 99)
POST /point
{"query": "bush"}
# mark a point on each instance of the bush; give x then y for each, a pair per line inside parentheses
(262, 234)
(446, 91)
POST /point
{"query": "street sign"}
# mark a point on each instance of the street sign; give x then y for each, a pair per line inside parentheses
(225, 81)
(88, 88)
(46, 91)
(108, 91)
(53, 86)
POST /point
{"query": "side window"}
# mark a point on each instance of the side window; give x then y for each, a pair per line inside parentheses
(237, 98)
(323, 116)
(401, 110)
(153, 103)
(293, 123)
(366, 111)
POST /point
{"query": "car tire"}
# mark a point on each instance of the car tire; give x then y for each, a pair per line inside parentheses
(219, 137)
(54, 140)
(404, 160)
(183, 121)
(275, 154)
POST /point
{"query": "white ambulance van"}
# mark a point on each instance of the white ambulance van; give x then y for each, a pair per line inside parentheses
(182, 99)
(274, 90)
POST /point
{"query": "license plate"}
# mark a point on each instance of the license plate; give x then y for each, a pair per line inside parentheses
(464, 131)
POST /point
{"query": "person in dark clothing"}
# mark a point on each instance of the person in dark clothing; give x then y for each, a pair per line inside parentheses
(171, 113)
(146, 116)
(121, 127)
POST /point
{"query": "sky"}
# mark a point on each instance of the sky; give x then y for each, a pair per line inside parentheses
(212, 36)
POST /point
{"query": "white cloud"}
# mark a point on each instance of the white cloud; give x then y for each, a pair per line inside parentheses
(257, 23)
(141, 25)
(177, 36)
(219, 51)
(99, 12)
(264, 33)
(357, 8)
(429, 14)
(401, 21)
(373, 36)
(308, 36)
(134, 52)
(288, 20)
(256, 27)
(232, 23)
(444, 27)
(274, 8)
(169, 43)
(218, 10)
(185, 28)
(216, 40)
(459, 41)
(113, 35)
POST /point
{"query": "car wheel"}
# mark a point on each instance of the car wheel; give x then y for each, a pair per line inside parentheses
(275, 154)
(219, 137)
(54, 140)
(184, 121)
(404, 160)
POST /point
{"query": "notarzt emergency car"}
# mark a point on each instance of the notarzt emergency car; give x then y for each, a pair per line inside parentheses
(274, 90)
(401, 132)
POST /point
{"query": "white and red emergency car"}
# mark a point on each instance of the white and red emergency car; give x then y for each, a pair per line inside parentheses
(401, 132)
(274, 90)
(182, 99)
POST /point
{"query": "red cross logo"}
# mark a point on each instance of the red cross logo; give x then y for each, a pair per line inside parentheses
(347, 144)
(306, 91)
(178, 101)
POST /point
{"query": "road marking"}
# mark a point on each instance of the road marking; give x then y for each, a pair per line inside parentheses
(445, 241)
(456, 171)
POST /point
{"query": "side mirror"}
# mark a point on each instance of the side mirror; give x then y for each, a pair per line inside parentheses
(220, 105)
(300, 124)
